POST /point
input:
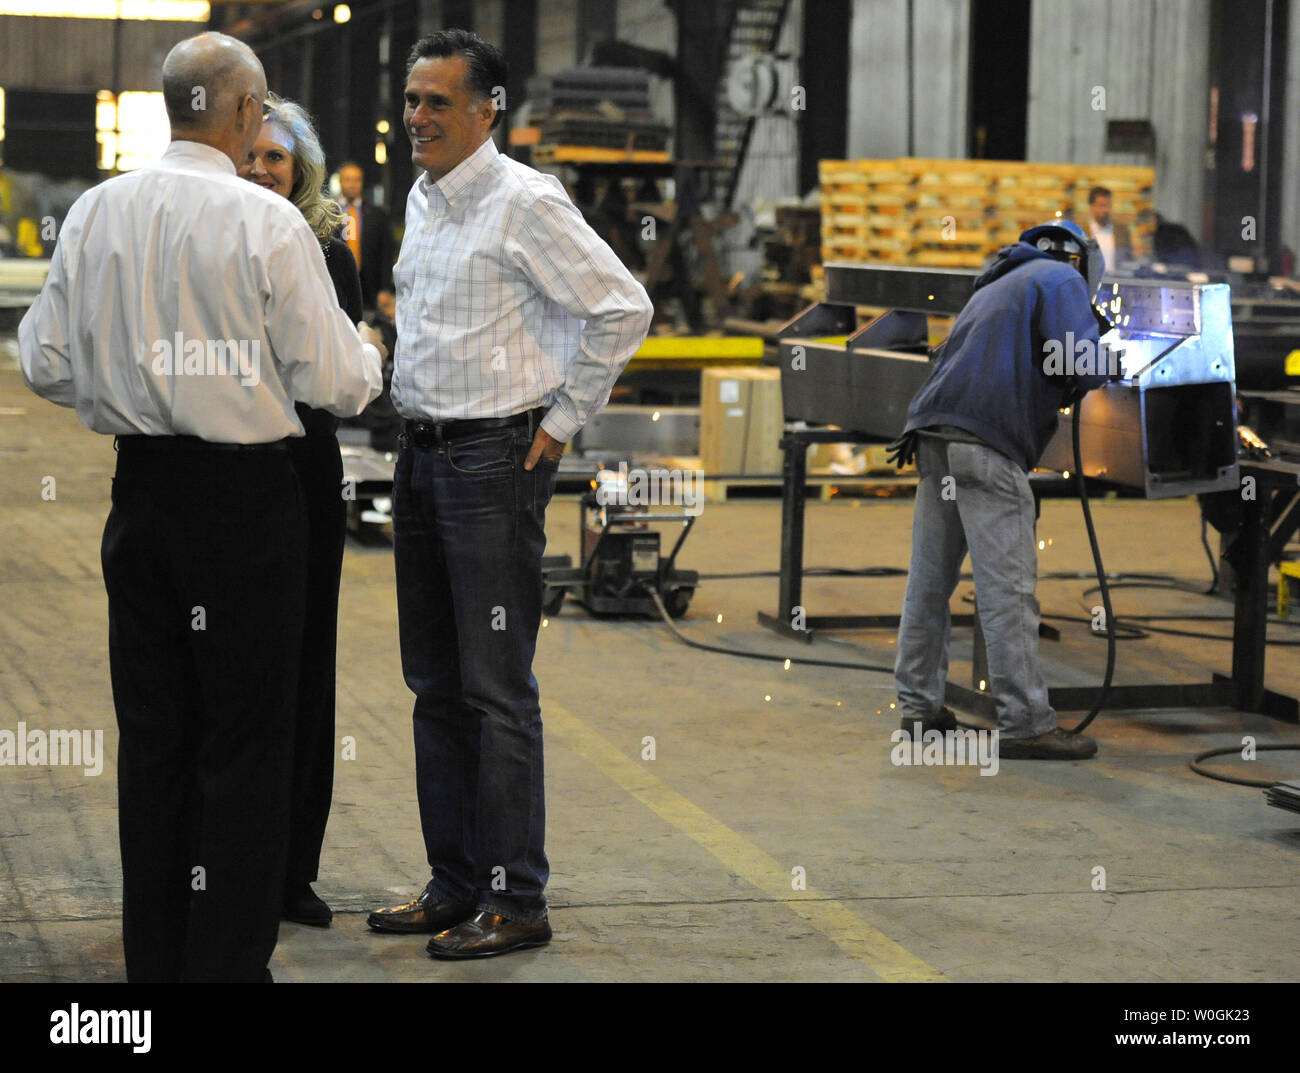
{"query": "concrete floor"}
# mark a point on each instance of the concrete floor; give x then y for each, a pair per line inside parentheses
(680, 867)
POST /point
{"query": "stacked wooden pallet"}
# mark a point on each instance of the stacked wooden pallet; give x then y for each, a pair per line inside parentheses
(955, 213)
(866, 215)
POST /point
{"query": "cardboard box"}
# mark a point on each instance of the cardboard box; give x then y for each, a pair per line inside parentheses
(741, 420)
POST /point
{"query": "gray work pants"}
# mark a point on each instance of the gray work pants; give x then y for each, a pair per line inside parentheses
(971, 496)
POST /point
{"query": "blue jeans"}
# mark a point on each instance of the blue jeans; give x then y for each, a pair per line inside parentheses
(468, 536)
(972, 496)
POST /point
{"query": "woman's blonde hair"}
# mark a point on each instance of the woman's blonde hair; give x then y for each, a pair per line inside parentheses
(321, 212)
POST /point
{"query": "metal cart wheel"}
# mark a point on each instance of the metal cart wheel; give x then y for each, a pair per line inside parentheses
(677, 600)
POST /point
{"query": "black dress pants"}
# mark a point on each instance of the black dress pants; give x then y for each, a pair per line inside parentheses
(320, 472)
(204, 560)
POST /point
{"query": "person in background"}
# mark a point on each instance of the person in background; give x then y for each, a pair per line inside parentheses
(976, 428)
(1113, 239)
(287, 160)
(513, 321)
(184, 312)
(368, 233)
(1174, 245)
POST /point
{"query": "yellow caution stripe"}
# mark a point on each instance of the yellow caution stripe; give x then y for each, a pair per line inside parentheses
(879, 953)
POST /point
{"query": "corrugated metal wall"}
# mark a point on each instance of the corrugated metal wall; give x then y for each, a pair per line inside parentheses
(557, 35)
(878, 93)
(1151, 58)
(77, 54)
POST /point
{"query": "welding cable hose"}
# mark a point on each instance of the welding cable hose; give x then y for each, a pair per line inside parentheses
(771, 657)
(1109, 612)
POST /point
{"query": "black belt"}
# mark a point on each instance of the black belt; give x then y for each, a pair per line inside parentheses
(432, 433)
(173, 444)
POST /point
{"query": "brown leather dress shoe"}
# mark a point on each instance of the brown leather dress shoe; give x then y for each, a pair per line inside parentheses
(485, 934)
(426, 913)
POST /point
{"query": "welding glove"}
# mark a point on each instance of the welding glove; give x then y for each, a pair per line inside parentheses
(902, 451)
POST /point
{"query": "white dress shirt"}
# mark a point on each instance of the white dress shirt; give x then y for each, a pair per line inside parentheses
(507, 300)
(183, 300)
(1105, 237)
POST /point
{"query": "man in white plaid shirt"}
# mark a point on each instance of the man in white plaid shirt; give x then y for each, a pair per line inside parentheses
(513, 321)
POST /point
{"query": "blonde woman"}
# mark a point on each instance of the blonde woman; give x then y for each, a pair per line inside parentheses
(287, 160)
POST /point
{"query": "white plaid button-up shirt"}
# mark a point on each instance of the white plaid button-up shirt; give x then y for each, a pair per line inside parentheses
(507, 300)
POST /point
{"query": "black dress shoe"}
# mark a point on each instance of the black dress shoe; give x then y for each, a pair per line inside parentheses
(485, 934)
(426, 913)
(302, 906)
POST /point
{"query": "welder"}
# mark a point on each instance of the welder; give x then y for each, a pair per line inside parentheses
(975, 429)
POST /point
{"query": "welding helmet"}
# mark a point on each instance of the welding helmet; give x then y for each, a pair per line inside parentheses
(1064, 240)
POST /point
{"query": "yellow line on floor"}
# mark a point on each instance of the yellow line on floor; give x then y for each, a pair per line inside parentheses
(884, 957)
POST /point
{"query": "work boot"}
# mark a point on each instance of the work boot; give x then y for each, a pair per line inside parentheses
(1054, 745)
(942, 721)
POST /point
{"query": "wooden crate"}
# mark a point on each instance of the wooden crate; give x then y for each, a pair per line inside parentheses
(902, 209)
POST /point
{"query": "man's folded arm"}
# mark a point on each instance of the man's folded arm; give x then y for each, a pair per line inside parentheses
(43, 339)
(572, 266)
(321, 357)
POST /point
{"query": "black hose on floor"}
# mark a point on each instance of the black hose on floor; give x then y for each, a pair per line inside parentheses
(1196, 764)
(1101, 577)
(770, 657)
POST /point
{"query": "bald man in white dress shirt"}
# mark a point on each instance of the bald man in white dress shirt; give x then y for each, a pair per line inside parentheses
(185, 312)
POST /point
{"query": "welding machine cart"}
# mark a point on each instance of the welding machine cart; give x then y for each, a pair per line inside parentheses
(621, 565)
